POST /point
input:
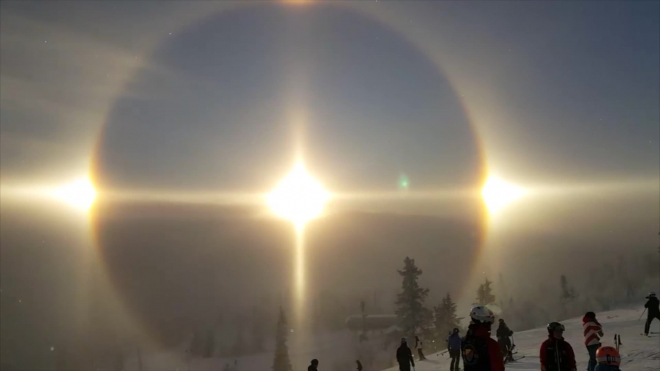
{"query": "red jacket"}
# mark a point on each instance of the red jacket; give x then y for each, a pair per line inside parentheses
(495, 359)
(556, 355)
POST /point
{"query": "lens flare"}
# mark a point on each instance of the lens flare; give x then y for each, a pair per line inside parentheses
(298, 197)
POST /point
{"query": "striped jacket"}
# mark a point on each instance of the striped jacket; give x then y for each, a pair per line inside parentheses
(593, 331)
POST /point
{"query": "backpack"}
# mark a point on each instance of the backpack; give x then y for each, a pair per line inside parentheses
(475, 354)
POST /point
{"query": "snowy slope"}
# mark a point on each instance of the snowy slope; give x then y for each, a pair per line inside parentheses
(333, 349)
(638, 353)
(337, 351)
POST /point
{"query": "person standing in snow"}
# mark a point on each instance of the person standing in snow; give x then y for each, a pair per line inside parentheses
(556, 353)
(454, 348)
(504, 334)
(480, 352)
(593, 332)
(404, 356)
(653, 306)
(419, 347)
(608, 359)
(314, 366)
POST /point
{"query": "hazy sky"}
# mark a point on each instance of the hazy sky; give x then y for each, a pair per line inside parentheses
(573, 86)
(561, 98)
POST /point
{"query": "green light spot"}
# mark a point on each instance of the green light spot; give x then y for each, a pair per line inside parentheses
(404, 183)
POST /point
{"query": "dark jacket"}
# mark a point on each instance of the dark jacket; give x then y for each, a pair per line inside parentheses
(480, 351)
(312, 368)
(653, 305)
(454, 342)
(557, 355)
(503, 331)
(404, 355)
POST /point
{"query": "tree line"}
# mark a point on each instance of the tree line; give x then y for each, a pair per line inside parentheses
(613, 283)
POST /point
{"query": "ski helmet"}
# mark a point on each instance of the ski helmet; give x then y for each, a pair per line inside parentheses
(608, 356)
(455, 331)
(404, 341)
(501, 320)
(315, 361)
(481, 314)
(555, 326)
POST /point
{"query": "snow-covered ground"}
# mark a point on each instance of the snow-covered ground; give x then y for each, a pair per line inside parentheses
(337, 352)
(638, 353)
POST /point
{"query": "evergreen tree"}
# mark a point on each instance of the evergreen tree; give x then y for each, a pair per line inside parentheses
(445, 317)
(281, 361)
(565, 290)
(410, 302)
(567, 295)
(485, 294)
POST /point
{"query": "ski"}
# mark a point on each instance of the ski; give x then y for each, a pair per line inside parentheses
(514, 360)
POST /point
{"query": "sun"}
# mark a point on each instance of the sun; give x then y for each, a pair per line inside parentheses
(298, 197)
(497, 194)
(80, 194)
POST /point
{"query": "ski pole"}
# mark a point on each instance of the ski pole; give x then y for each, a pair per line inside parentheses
(640, 317)
(616, 345)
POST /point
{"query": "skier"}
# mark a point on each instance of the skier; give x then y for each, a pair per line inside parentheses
(419, 346)
(404, 356)
(503, 338)
(653, 306)
(314, 366)
(480, 351)
(608, 359)
(454, 347)
(557, 354)
(593, 331)
(359, 365)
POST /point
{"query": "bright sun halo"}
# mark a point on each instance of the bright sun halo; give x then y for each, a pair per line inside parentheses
(497, 194)
(79, 194)
(298, 197)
